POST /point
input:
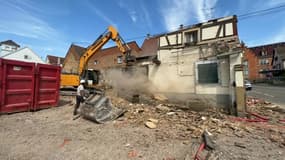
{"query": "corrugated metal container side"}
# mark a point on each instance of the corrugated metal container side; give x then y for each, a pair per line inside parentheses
(17, 86)
(0, 83)
(47, 86)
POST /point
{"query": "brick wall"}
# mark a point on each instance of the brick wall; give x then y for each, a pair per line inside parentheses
(252, 66)
(108, 58)
(71, 61)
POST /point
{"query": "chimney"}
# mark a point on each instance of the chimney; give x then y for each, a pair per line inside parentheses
(148, 36)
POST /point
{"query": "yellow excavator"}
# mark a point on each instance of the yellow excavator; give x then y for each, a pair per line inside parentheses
(92, 76)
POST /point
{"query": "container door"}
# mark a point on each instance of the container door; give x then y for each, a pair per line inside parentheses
(47, 86)
(17, 86)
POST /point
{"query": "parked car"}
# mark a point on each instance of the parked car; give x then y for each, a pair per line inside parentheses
(247, 85)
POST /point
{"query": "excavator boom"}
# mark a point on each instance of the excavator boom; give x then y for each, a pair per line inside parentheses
(111, 33)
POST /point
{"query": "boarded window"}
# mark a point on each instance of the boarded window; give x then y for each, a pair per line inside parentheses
(208, 73)
(191, 38)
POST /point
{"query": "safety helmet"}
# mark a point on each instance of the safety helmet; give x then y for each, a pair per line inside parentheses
(82, 81)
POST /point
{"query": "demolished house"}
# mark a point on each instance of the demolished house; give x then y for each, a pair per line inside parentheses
(201, 61)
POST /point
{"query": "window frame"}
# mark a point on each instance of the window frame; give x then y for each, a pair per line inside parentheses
(120, 59)
(207, 62)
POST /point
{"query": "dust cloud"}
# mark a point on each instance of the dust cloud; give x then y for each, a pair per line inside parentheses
(132, 80)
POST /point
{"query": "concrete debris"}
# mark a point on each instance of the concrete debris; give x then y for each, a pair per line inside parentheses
(150, 124)
(203, 118)
(170, 113)
(241, 145)
(132, 154)
(153, 120)
(162, 108)
(178, 121)
(160, 97)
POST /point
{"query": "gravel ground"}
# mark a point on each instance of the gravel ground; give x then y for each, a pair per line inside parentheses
(53, 134)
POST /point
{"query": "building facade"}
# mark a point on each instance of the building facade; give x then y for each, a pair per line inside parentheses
(111, 57)
(260, 61)
(8, 47)
(54, 60)
(199, 61)
(106, 58)
(24, 54)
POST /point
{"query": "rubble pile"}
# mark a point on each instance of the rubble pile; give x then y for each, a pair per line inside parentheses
(272, 112)
(179, 121)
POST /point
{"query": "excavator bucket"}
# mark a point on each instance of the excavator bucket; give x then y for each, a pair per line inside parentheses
(99, 108)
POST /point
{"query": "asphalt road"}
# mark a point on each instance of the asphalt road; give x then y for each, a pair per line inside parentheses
(273, 94)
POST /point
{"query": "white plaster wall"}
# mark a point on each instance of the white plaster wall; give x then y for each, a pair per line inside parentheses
(176, 72)
(234, 60)
(20, 55)
(209, 32)
(229, 29)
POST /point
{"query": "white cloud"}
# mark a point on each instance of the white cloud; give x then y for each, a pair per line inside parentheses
(133, 16)
(100, 13)
(145, 15)
(131, 11)
(181, 12)
(21, 22)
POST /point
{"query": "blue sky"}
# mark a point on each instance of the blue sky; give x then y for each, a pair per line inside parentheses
(50, 26)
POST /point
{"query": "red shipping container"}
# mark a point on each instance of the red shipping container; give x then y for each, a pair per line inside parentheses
(47, 86)
(28, 86)
(0, 83)
(17, 86)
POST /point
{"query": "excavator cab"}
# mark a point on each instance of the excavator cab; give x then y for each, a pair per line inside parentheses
(91, 76)
(129, 59)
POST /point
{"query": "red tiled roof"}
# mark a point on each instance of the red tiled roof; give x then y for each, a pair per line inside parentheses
(149, 47)
(114, 50)
(54, 60)
(10, 42)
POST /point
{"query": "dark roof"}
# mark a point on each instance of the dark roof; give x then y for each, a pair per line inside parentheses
(77, 49)
(269, 48)
(54, 59)
(186, 27)
(10, 42)
(269, 45)
(114, 50)
(149, 47)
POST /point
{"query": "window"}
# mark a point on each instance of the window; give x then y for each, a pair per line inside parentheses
(191, 38)
(264, 61)
(26, 56)
(96, 62)
(208, 73)
(245, 63)
(263, 52)
(120, 59)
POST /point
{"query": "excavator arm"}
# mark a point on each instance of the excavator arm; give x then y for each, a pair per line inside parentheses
(110, 33)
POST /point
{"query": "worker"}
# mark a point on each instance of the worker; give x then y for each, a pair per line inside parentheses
(80, 97)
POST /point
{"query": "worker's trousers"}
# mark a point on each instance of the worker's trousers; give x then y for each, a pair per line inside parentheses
(79, 99)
